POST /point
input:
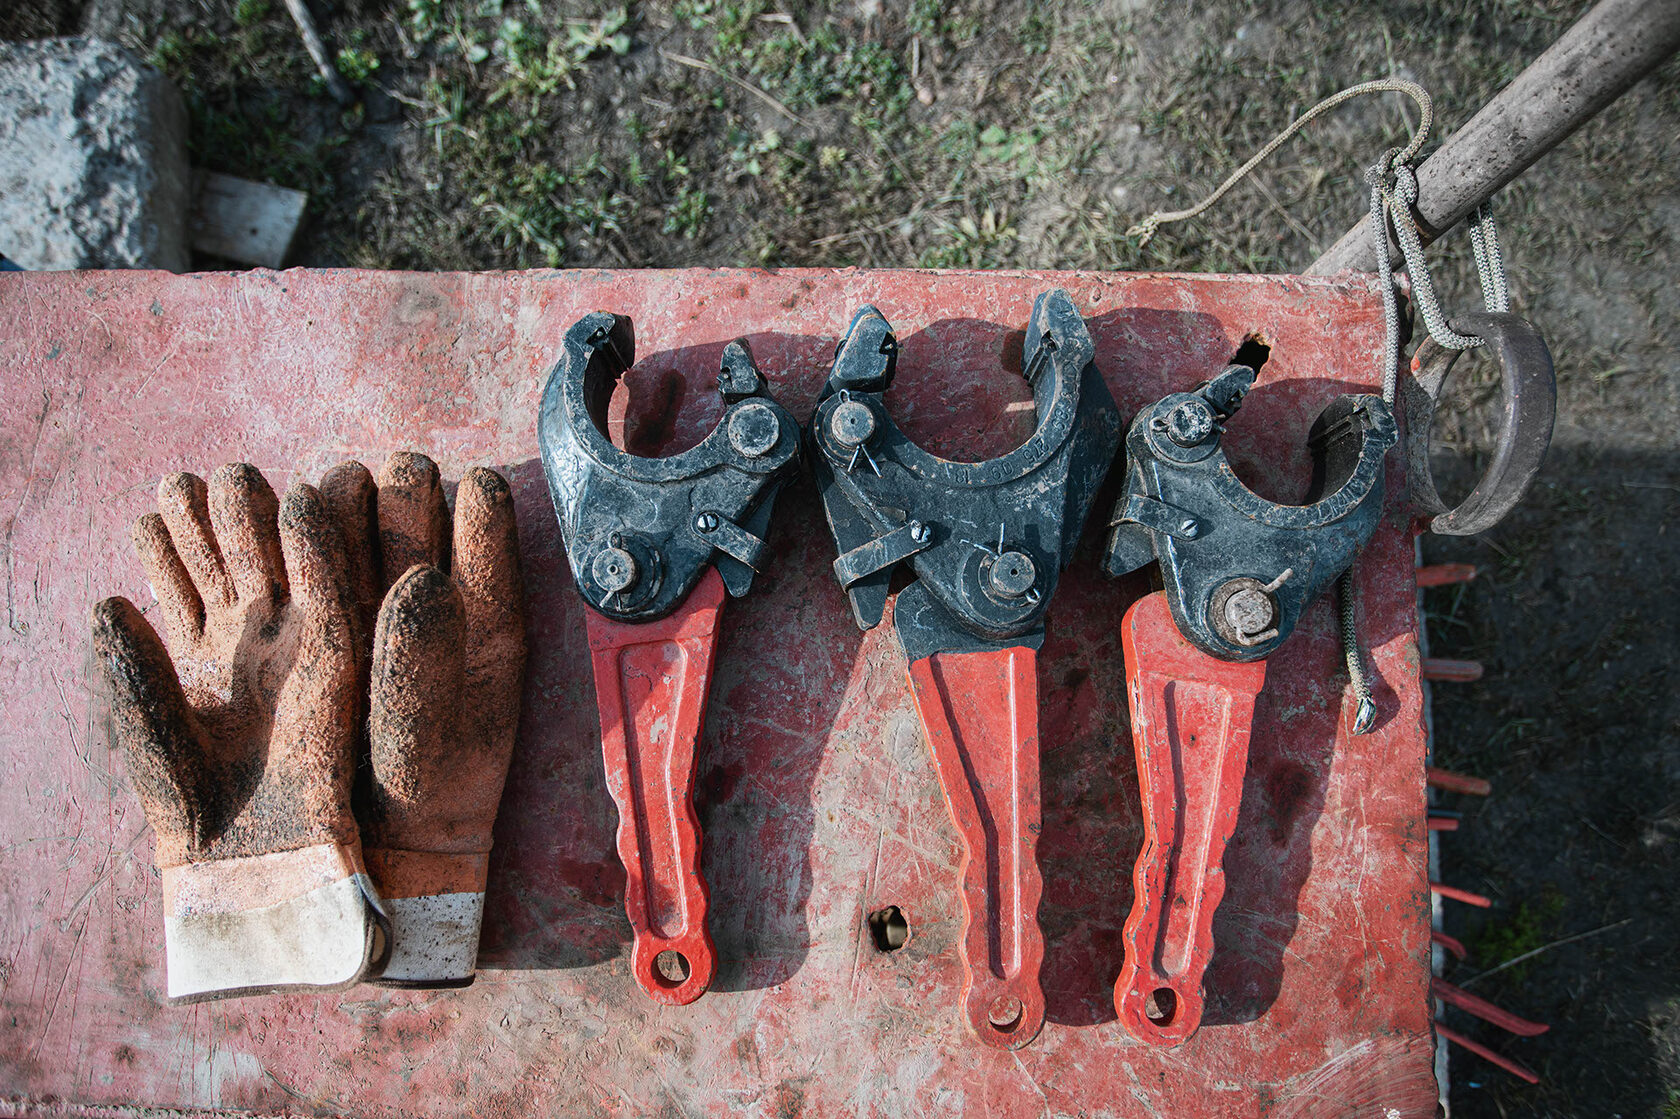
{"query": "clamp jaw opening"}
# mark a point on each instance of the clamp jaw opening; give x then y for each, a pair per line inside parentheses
(985, 540)
(1240, 570)
(639, 532)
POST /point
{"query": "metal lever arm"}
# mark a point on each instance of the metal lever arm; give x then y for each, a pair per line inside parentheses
(654, 544)
(1191, 717)
(979, 714)
(651, 681)
(986, 542)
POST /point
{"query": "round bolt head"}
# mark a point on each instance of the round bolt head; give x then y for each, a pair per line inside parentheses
(920, 532)
(1251, 612)
(754, 429)
(1012, 575)
(706, 522)
(614, 570)
(852, 424)
(1189, 423)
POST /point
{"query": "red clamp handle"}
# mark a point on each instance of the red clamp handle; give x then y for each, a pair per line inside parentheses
(651, 680)
(979, 712)
(1191, 718)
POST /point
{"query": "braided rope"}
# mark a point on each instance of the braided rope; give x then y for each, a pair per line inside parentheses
(1145, 229)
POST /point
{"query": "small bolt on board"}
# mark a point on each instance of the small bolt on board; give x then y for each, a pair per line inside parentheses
(654, 544)
(986, 543)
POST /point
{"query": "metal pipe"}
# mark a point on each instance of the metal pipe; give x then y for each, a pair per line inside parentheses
(1596, 61)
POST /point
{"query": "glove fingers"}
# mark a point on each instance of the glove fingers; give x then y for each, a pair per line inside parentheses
(183, 501)
(183, 610)
(493, 600)
(413, 516)
(151, 720)
(307, 779)
(244, 513)
(487, 552)
(351, 496)
(415, 695)
(314, 557)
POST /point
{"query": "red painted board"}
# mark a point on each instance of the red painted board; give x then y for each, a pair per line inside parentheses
(817, 797)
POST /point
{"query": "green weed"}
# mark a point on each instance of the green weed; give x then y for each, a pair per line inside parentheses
(249, 12)
(1533, 924)
(425, 18)
(972, 244)
(606, 34)
(688, 215)
(357, 64)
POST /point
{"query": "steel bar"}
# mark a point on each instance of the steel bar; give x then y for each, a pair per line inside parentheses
(1596, 61)
(1456, 782)
(1487, 1054)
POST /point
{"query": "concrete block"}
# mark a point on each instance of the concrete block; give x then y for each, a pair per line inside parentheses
(93, 167)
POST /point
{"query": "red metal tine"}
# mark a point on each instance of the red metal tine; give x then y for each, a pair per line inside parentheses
(1485, 1010)
(1445, 574)
(1456, 782)
(1450, 943)
(1457, 894)
(1191, 718)
(1487, 1054)
(651, 681)
(979, 712)
(1450, 671)
(1441, 823)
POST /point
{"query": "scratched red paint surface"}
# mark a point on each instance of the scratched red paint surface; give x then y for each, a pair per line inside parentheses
(818, 800)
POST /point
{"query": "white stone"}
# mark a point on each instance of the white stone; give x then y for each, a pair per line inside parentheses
(93, 166)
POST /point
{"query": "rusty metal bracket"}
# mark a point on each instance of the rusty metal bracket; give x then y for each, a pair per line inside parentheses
(1529, 387)
(653, 545)
(986, 543)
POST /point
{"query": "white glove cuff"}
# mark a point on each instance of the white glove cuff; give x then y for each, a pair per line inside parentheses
(434, 940)
(291, 921)
(436, 903)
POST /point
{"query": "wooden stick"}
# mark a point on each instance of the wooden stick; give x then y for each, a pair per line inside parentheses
(318, 51)
(1608, 49)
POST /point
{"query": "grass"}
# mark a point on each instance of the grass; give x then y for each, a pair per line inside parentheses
(1531, 925)
(946, 135)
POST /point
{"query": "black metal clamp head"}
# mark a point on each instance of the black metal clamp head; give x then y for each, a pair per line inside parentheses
(640, 531)
(1240, 570)
(986, 540)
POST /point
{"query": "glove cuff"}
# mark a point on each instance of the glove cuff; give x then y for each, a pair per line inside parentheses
(436, 903)
(302, 920)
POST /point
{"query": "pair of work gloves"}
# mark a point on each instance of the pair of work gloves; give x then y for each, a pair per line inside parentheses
(321, 748)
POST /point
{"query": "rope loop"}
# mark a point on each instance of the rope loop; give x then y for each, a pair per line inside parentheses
(1393, 186)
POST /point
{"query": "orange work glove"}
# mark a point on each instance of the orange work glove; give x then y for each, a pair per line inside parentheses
(242, 747)
(447, 662)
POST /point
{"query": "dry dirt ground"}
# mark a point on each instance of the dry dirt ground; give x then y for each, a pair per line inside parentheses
(996, 133)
